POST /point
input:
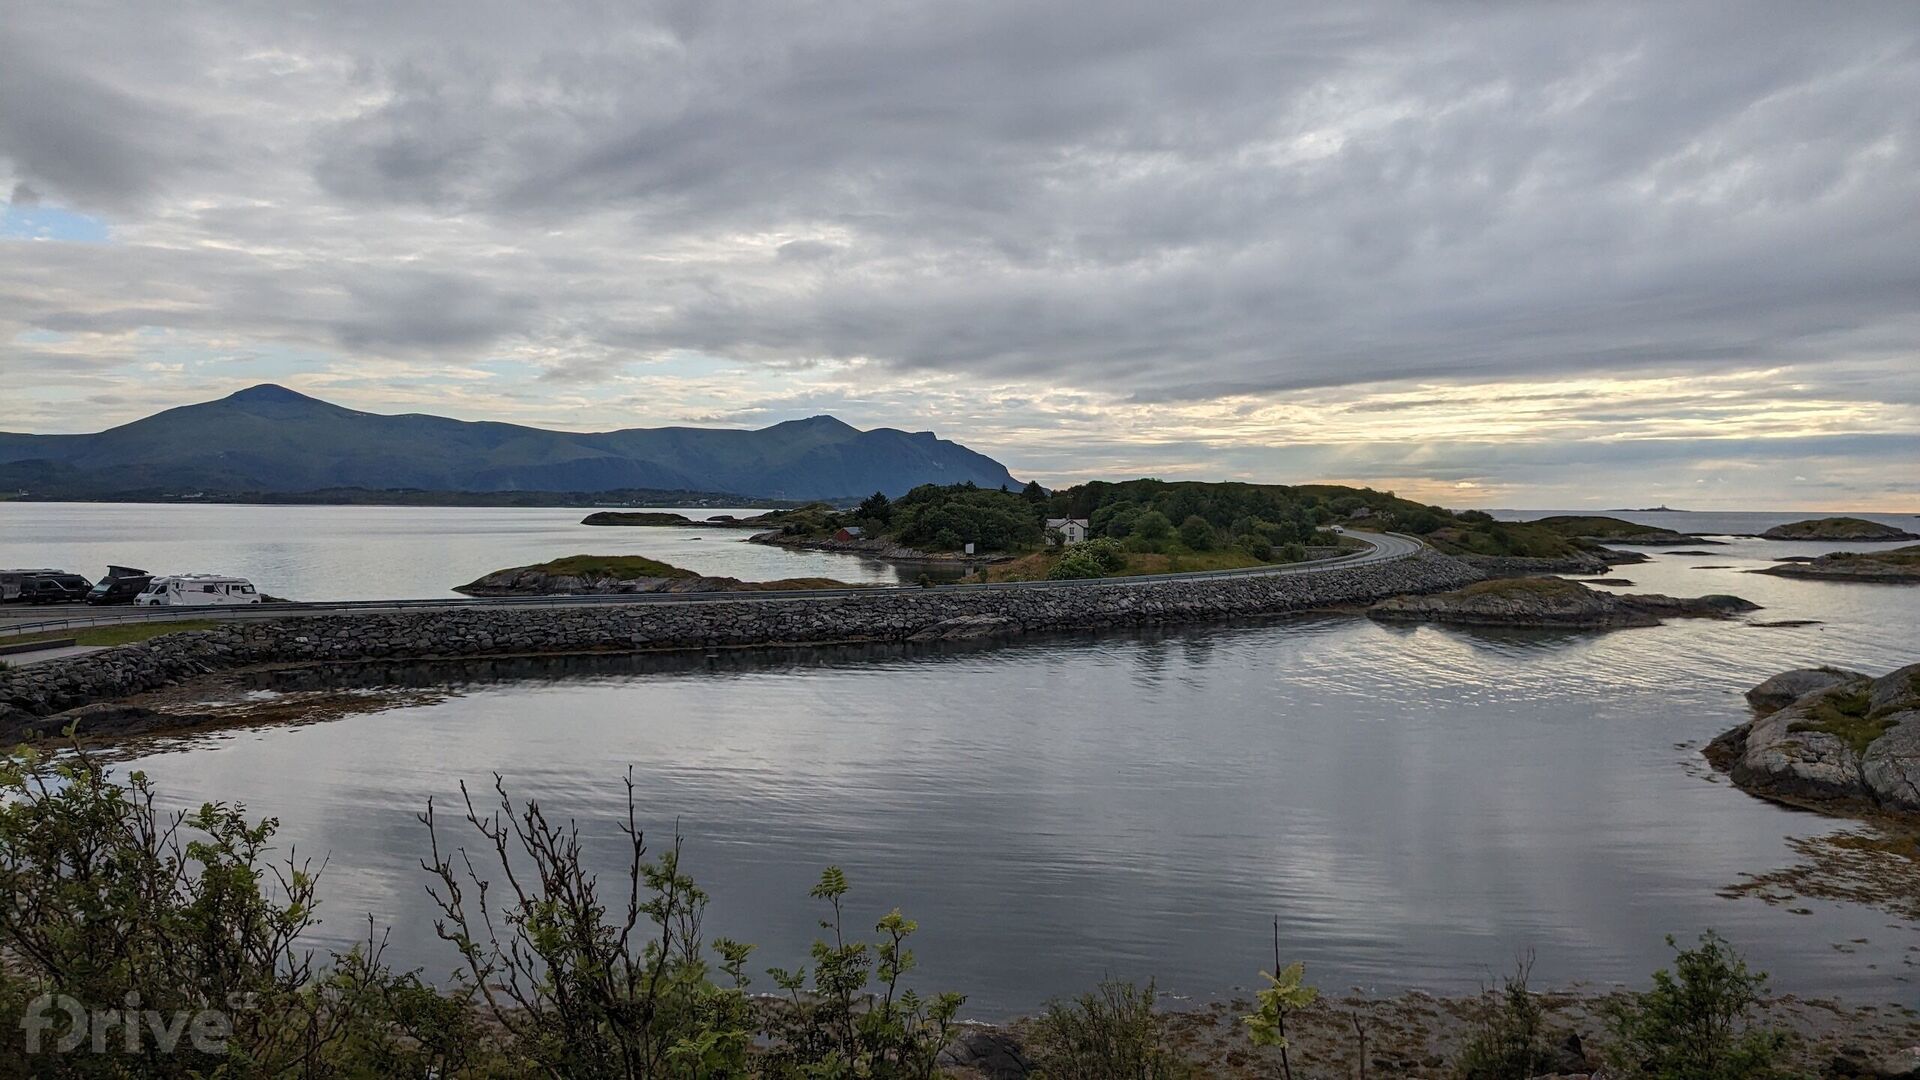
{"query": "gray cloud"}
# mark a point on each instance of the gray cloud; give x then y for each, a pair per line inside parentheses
(1163, 204)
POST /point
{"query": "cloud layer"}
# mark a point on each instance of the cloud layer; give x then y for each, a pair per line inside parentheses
(1192, 239)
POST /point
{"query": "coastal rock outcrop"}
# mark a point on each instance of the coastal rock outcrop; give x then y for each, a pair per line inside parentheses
(1551, 602)
(1900, 566)
(1849, 739)
(1837, 528)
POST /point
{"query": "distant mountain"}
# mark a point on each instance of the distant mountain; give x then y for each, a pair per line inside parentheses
(272, 440)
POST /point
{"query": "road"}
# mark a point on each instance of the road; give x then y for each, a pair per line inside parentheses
(1386, 547)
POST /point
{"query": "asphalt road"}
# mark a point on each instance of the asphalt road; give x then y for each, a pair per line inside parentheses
(16, 621)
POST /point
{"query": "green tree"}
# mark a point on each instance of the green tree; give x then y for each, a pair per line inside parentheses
(1696, 1022)
(1197, 533)
(875, 507)
(1153, 527)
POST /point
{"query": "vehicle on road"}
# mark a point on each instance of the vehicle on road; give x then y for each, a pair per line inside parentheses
(122, 585)
(198, 590)
(11, 580)
(54, 589)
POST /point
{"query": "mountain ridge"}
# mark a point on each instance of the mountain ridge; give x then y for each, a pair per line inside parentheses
(271, 439)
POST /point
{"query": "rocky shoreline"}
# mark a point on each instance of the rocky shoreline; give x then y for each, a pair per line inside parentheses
(31, 693)
(1838, 529)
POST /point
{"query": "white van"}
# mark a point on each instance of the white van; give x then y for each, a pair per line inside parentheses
(198, 590)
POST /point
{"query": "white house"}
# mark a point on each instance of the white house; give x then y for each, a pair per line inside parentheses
(1070, 530)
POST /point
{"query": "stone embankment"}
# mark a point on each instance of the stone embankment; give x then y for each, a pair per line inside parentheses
(884, 615)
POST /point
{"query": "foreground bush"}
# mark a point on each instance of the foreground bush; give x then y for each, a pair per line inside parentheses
(140, 943)
(1696, 1023)
(1109, 1033)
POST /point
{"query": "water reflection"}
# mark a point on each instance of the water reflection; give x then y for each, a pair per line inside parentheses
(1416, 804)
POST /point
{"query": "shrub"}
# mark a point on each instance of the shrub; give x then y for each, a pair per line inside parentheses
(1257, 546)
(1112, 1032)
(1076, 564)
(1197, 533)
(1695, 1024)
(1506, 1042)
(1153, 527)
(1292, 553)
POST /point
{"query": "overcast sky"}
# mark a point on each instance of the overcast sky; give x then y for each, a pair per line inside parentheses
(1500, 255)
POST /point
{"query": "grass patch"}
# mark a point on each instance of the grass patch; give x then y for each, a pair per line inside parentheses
(1540, 586)
(1844, 715)
(118, 634)
(617, 567)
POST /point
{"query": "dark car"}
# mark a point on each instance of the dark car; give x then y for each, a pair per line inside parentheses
(120, 586)
(55, 589)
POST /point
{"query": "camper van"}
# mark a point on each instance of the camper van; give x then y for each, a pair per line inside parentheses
(12, 580)
(122, 585)
(198, 590)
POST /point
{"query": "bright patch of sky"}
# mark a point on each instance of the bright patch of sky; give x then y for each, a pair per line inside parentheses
(51, 223)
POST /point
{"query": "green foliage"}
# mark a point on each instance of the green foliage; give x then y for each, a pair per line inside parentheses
(1089, 559)
(1291, 553)
(1152, 527)
(875, 508)
(1197, 533)
(946, 518)
(838, 1027)
(1111, 1032)
(1695, 1024)
(108, 901)
(111, 902)
(1284, 994)
(1506, 1042)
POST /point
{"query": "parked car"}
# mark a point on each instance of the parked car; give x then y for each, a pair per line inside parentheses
(198, 590)
(121, 586)
(11, 580)
(55, 589)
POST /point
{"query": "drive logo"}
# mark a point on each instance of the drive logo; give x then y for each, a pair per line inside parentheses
(59, 1024)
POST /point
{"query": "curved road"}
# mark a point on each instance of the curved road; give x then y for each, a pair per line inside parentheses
(1387, 547)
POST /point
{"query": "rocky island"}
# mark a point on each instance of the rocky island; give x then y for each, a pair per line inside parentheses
(1900, 566)
(636, 517)
(1551, 602)
(1837, 528)
(1614, 530)
(587, 575)
(1826, 736)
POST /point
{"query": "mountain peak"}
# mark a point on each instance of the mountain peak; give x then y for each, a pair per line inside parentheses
(268, 393)
(822, 422)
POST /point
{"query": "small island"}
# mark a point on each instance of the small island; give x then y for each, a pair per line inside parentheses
(1551, 602)
(1899, 566)
(1837, 528)
(590, 575)
(1830, 738)
(1614, 530)
(636, 517)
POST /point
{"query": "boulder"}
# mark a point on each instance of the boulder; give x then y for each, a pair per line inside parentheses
(989, 1053)
(1784, 689)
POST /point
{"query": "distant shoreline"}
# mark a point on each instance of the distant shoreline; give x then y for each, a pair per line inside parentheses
(573, 500)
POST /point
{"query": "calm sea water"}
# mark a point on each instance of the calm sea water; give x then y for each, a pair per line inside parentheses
(383, 552)
(1417, 805)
